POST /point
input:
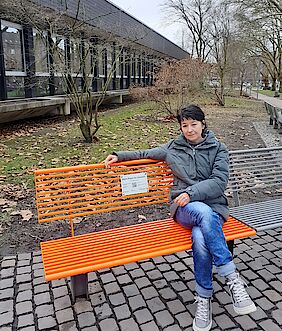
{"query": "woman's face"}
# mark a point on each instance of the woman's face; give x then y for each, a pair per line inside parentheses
(192, 130)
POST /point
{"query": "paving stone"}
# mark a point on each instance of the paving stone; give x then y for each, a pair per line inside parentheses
(147, 266)
(41, 288)
(98, 298)
(163, 267)
(167, 293)
(137, 273)
(7, 293)
(103, 311)
(24, 296)
(178, 286)
(131, 290)
(112, 287)
(265, 304)
(175, 306)
(24, 287)
(179, 266)
(38, 273)
(158, 259)
(64, 315)
(38, 281)
(254, 292)
(268, 255)
(260, 284)
(249, 275)
(92, 276)
(8, 263)
(136, 302)
(24, 270)
(184, 319)
(7, 318)
(94, 287)
(171, 258)
(154, 274)
(117, 299)
(46, 323)
(58, 282)
(109, 325)
(5, 283)
(107, 278)
(277, 315)
(246, 322)
(259, 314)
(186, 296)
(187, 275)
(24, 278)
(171, 276)
(122, 312)
(28, 328)
(272, 295)
(42, 298)
(24, 256)
(23, 307)
(44, 310)
(25, 320)
(69, 326)
(223, 297)
(143, 316)
(269, 325)
(86, 319)
(91, 328)
(124, 279)
(131, 266)
(142, 282)
(82, 306)
(60, 291)
(37, 266)
(37, 259)
(151, 326)
(62, 303)
(224, 322)
(155, 305)
(164, 318)
(6, 273)
(160, 283)
(120, 270)
(149, 292)
(6, 306)
(273, 269)
(128, 325)
(277, 285)
(188, 261)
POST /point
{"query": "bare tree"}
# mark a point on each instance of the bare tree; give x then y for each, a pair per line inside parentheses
(175, 84)
(194, 15)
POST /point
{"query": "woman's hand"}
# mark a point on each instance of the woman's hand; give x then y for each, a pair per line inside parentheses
(182, 199)
(110, 159)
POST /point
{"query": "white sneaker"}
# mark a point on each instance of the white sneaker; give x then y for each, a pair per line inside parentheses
(203, 316)
(242, 303)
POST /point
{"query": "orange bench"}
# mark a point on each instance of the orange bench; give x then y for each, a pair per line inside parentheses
(80, 191)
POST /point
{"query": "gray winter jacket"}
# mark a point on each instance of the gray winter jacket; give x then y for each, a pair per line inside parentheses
(200, 170)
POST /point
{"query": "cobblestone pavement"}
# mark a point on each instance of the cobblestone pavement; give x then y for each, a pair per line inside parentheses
(155, 294)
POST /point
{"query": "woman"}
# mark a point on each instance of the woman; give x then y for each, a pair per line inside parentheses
(200, 167)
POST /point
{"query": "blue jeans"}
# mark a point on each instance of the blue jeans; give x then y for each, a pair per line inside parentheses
(209, 245)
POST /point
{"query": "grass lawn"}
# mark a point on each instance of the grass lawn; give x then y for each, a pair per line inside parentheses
(53, 143)
(267, 92)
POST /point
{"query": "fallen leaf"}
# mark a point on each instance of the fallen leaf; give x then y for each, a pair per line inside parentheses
(26, 214)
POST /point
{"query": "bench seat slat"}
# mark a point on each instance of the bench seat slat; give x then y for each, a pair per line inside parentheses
(63, 258)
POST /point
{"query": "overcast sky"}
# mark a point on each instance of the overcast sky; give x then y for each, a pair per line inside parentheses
(151, 13)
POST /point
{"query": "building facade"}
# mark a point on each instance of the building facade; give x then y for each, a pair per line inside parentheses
(27, 60)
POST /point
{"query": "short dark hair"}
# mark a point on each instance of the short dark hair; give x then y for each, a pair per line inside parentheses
(193, 112)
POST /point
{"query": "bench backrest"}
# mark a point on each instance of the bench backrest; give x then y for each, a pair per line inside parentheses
(70, 192)
(254, 169)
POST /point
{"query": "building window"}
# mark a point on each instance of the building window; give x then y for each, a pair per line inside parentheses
(40, 42)
(58, 51)
(12, 36)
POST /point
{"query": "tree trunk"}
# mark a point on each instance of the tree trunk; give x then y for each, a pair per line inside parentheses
(85, 128)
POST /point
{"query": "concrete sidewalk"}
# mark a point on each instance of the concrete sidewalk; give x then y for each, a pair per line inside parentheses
(150, 295)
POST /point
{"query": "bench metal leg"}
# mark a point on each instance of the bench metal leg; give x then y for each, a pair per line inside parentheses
(230, 245)
(79, 286)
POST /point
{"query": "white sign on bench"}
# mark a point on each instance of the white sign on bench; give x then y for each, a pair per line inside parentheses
(134, 183)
